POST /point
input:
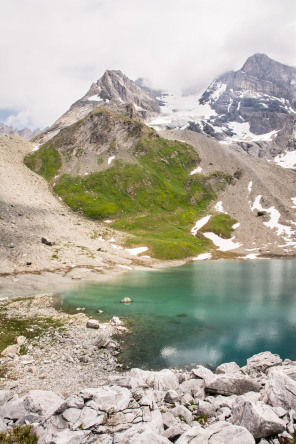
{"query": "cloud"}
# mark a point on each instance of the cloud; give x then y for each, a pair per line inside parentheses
(51, 52)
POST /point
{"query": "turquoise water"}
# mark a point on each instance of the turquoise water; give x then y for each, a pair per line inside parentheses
(201, 313)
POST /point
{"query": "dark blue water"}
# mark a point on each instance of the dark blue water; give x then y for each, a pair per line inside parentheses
(201, 313)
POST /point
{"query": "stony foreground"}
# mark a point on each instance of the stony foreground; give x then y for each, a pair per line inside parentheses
(255, 403)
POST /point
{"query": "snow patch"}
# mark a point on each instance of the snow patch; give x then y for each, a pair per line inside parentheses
(110, 159)
(199, 224)
(275, 215)
(116, 247)
(136, 251)
(95, 98)
(138, 108)
(36, 147)
(293, 199)
(286, 160)
(108, 221)
(250, 256)
(235, 226)
(202, 257)
(223, 244)
(242, 132)
(197, 170)
(219, 207)
(250, 186)
(220, 88)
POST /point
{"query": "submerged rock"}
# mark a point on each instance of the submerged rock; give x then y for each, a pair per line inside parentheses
(126, 300)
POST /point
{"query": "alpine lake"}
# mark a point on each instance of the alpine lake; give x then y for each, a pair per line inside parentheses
(200, 313)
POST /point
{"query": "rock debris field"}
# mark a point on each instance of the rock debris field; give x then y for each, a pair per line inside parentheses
(70, 388)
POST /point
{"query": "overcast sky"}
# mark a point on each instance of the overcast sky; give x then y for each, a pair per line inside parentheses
(52, 50)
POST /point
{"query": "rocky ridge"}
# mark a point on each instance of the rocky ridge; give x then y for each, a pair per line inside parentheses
(25, 133)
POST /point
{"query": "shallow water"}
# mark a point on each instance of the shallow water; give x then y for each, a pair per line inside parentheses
(201, 313)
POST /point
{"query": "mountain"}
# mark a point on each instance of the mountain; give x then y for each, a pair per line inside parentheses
(177, 197)
(258, 103)
(25, 133)
(114, 90)
(252, 109)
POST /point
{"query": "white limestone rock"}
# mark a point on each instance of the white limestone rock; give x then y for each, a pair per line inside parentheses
(42, 402)
(229, 367)
(257, 417)
(233, 384)
(262, 361)
(108, 399)
(280, 390)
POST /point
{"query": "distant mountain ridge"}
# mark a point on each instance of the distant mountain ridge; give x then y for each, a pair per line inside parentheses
(252, 109)
(25, 133)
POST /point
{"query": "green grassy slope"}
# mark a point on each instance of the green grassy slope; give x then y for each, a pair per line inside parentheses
(154, 199)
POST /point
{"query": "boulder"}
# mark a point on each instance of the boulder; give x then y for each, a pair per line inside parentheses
(115, 321)
(42, 402)
(224, 432)
(206, 408)
(21, 340)
(5, 396)
(218, 433)
(108, 399)
(262, 361)
(11, 349)
(257, 417)
(182, 413)
(175, 431)
(280, 390)
(126, 300)
(3, 426)
(233, 384)
(92, 323)
(229, 367)
(202, 372)
(171, 396)
(160, 381)
(195, 387)
(13, 409)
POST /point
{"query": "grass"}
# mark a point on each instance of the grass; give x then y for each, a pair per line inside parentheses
(46, 161)
(19, 435)
(12, 327)
(220, 225)
(154, 199)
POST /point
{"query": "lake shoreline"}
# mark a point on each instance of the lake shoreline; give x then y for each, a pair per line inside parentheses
(74, 391)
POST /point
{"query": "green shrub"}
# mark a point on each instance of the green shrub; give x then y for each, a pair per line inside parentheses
(19, 435)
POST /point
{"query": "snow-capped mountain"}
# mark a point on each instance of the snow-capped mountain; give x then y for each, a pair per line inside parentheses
(253, 108)
(113, 90)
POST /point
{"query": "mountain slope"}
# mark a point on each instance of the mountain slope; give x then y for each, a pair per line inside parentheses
(114, 90)
(109, 166)
(263, 199)
(29, 212)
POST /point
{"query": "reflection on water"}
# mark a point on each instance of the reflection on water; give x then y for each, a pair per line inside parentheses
(201, 313)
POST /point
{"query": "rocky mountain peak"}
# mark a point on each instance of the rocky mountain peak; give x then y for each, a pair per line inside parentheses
(114, 85)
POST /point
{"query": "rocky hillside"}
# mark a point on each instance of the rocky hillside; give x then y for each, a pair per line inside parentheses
(25, 133)
(110, 166)
(113, 89)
